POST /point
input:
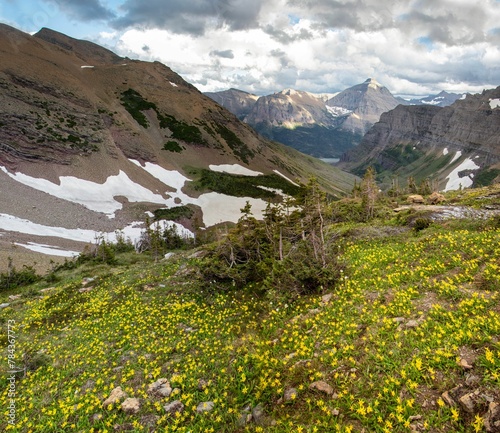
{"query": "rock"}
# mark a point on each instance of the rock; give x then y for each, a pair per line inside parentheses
(160, 388)
(411, 324)
(174, 407)
(335, 412)
(259, 417)
(85, 289)
(88, 385)
(197, 254)
(4, 305)
(465, 364)
(48, 289)
(149, 421)
(87, 280)
(415, 198)
(398, 319)
(116, 395)
(492, 418)
(436, 198)
(290, 394)
(206, 406)
(321, 386)
(452, 397)
(470, 402)
(14, 297)
(168, 255)
(202, 384)
(96, 417)
(327, 298)
(131, 405)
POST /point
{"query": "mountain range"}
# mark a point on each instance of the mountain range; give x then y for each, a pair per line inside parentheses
(454, 146)
(91, 142)
(321, 126)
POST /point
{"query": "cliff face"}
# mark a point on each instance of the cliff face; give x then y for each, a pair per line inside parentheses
(289, 109)
(430, 142)
(238, 102)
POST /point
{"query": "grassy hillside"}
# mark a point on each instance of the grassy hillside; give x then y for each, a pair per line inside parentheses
(414, 315)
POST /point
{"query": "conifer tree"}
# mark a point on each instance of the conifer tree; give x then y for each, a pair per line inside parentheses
(369, 193)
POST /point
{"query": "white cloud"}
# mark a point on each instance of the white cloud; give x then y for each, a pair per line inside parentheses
(411, 46)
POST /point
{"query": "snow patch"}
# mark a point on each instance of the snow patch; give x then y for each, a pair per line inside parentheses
(454, 181)
(15, 224)
(171, 178)
(445, 151)
(173, 84)
(494, 103)
(234, 169)
(219, 208)
(457, 155)
(47, 249)
(94, 196)
(337, 111)
(87, 67)
(287, 178)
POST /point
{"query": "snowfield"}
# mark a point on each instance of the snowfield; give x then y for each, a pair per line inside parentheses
(102, 198)
(234, 169)
(454, 181)
(445, 151)
(15, 224)
(94, 196)
(494, 103)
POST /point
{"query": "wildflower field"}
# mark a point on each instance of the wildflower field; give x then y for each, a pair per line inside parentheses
(413, 318)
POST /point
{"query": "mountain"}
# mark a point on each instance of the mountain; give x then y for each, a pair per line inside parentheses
(90, 142)
(300, 120)
(442, 99)
(238, 102)
(457, 145)
(317, 125)
(365, 103)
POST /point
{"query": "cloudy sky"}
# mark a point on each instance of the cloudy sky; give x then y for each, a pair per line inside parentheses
(413, 47)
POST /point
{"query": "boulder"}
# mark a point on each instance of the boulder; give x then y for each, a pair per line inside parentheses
(160, 388)
(415, 199)
(131, 405)
(206, 406)
(321, 386)
(116, 395)
(436, 198)
(174, 407)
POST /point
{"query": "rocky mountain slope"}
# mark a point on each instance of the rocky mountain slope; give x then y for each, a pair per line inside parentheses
(365, 103)
(455, 146)
(90, 141)
(311, 123)
(238, 102)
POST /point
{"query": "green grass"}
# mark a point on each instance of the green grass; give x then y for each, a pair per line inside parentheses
(174, 213)
(144, 321)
